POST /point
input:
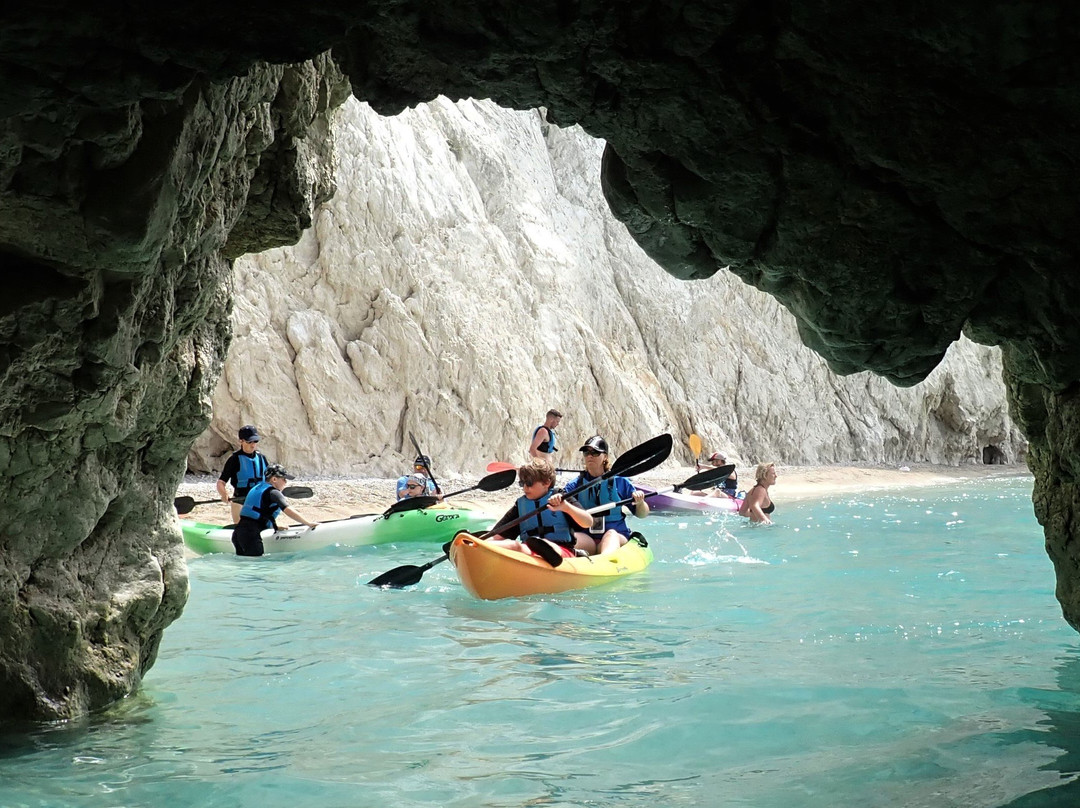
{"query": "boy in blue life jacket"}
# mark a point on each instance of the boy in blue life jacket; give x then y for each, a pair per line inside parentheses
(261, 508)
(244, 468)
(554, 524)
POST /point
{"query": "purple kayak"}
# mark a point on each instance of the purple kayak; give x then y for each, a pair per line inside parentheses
(678, 501)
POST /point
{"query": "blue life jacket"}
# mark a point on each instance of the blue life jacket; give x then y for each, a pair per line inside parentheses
(258, 506)
(252, 470)
(548, 445)
(601, 494)
(547, 524)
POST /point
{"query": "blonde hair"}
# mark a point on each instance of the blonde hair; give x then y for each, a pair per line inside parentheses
(762, 470)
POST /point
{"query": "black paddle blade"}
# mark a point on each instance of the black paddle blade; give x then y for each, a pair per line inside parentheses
(498, 481)
(410, 504)
(184, 504)
(706, 479)
(544, 550)
(297, 492)
(643, 457)
(399, 577)
(187, 504)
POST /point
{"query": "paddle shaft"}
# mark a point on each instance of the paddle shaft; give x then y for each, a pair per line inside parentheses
(424, 462)
(185, 504)
(701, 480)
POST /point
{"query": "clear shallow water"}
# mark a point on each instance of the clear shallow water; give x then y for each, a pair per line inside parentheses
(872, 651)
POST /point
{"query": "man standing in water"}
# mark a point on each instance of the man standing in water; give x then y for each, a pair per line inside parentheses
(543, 438)
(242, 470)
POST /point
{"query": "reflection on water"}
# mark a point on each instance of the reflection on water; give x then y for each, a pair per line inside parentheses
(1060, 729)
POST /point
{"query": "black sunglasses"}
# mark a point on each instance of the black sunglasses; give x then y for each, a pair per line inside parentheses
(591, 453)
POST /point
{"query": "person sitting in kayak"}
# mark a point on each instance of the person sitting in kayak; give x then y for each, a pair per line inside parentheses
(550, 530)
(416, 485)
(260, 511)
(609, 531)
(729, 485)
(421, 466)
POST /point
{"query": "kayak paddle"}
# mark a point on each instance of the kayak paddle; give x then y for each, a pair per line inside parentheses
(423, 461)
(695, 447)
(637, 460)
(704, 479)
(186, 504)
(492, 482)
(500, 465)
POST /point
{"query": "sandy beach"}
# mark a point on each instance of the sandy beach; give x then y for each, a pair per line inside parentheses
(336, 498)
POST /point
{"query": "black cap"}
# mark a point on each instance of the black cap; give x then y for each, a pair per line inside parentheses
(277, 470)
(422, 460)
(249, 433)
(596, 443)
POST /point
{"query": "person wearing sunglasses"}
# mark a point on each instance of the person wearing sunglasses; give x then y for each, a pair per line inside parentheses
(554, 525)
(420, 467)
(609, 531)
(244, 468)
(416, 485)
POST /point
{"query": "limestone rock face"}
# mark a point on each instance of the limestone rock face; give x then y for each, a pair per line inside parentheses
(113, 328)
(893, 177)
(468, 275)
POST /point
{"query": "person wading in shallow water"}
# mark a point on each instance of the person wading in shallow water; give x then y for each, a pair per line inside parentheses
(261, 508)
(242, 470)
(758, 504)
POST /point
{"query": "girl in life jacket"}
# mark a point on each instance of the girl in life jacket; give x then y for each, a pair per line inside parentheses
(547, 516)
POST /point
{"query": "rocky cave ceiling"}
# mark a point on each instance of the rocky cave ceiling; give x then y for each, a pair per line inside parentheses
(892, 177)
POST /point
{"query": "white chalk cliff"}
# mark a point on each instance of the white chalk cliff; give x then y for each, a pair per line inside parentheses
(468, 275)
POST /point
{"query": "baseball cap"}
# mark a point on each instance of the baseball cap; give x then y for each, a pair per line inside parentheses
(596, 444)
(277, 470)
(718, 456)
(422, 460)
(249, 433)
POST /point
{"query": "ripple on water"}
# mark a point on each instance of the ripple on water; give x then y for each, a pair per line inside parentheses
(874, 651)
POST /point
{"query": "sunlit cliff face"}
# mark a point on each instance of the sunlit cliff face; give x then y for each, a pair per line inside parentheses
(891, 180)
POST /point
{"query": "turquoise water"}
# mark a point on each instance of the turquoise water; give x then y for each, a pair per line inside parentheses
(873, 651)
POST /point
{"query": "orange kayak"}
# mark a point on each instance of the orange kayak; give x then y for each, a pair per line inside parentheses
(491, 572)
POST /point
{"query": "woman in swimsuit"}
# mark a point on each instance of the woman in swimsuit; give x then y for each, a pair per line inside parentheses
(758, 504)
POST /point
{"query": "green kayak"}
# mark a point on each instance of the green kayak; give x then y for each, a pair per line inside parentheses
(437, 524)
